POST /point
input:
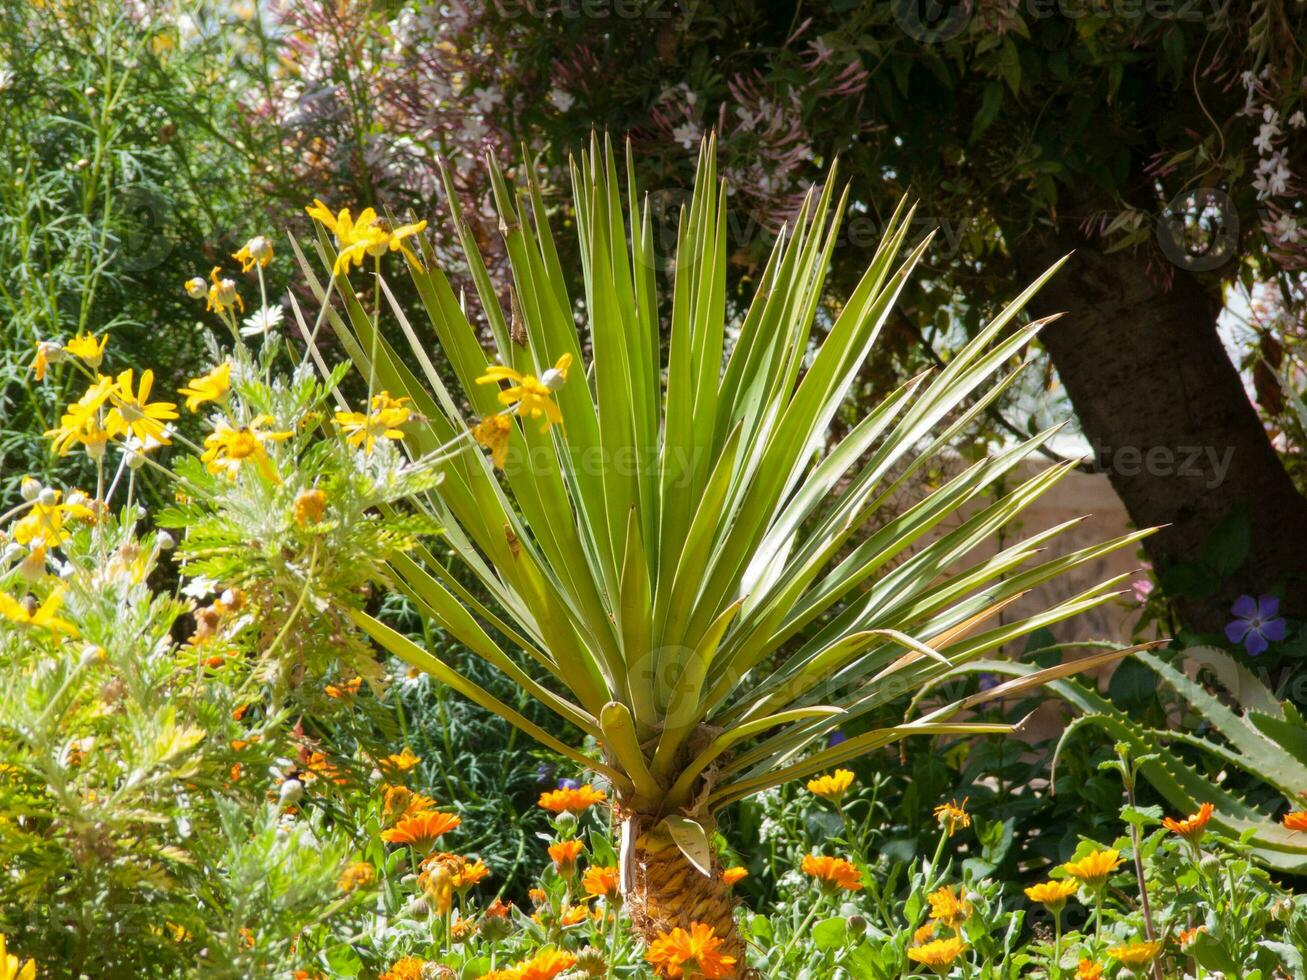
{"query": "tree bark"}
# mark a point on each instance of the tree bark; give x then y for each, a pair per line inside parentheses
(667, 892)
(1168, 419)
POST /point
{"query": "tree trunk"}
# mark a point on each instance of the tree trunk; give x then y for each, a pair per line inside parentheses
(1168, 419)
(666, 891)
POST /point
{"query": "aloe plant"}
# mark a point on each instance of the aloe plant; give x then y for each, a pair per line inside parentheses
(686, 563)
(1259, 735)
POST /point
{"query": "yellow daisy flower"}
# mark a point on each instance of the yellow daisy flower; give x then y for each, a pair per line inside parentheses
(86, 347)
(369, 235)
(1135, 954)
(953, 816)
(1093, 869)
(222, 294)
(384, 421)
(529, 395)
(1053, 894)
(938, 955)
(11, 968)
(80, 422)
(227, 448)
(211, 387)
(134, 412)
(831, 787)
(493, 433)
(28, 613)
(257, 251)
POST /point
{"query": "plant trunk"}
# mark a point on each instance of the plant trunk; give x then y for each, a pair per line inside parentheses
(1169, 421)
(663, 890)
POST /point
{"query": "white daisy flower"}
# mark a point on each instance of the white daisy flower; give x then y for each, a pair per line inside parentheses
(262, 321)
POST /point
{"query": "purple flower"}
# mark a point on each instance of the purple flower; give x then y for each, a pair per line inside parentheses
(987, 682)
(1256, 623)
(568, 784)
(835, 738)
(545, 772)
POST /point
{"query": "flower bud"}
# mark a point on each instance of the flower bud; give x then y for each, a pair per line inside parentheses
(553, 379)
(565, 822)
(495, 928)
(260, 249)
(165, 541)
(47, 497)
(290, 792)
(591, 962)
(417, 908)
(92, 655)
(33, 565)
(196, 288)
(30, 488)
(857, 924)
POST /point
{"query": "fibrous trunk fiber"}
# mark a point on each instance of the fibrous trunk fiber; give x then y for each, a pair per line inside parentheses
(665, 891)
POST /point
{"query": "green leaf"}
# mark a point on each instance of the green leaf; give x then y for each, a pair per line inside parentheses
(692, 840)
(830, 933)
(991, 101)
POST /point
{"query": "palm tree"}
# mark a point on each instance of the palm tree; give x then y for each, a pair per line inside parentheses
(686, 561)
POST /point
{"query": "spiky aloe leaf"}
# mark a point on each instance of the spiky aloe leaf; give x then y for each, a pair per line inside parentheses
(692, 517)
(1261, 737)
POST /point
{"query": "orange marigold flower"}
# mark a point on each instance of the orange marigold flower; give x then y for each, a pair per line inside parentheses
(699, 948)
(564, 855)
(406, 968)
(1053, 894)
(577, 913)
(401, 761)
(543, 966)
(949, 907)
(462, 929)
(318, 766)
(1191, 828)
(1089, 970)
(1136, 954)
(421, 830)
(733, 875)
(938, 955)
(498, 909)
(925, 933)
(538, 895)
(357, 875)
(832, 787)
(438, 883)
(832, 872)
(344, 690)
(1189, 935)
(953, 816)
(400, 802)
(600, 881)
(1296, 821)
(475, 871)
(1094, 869)
(574, 801)
(309, 506)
